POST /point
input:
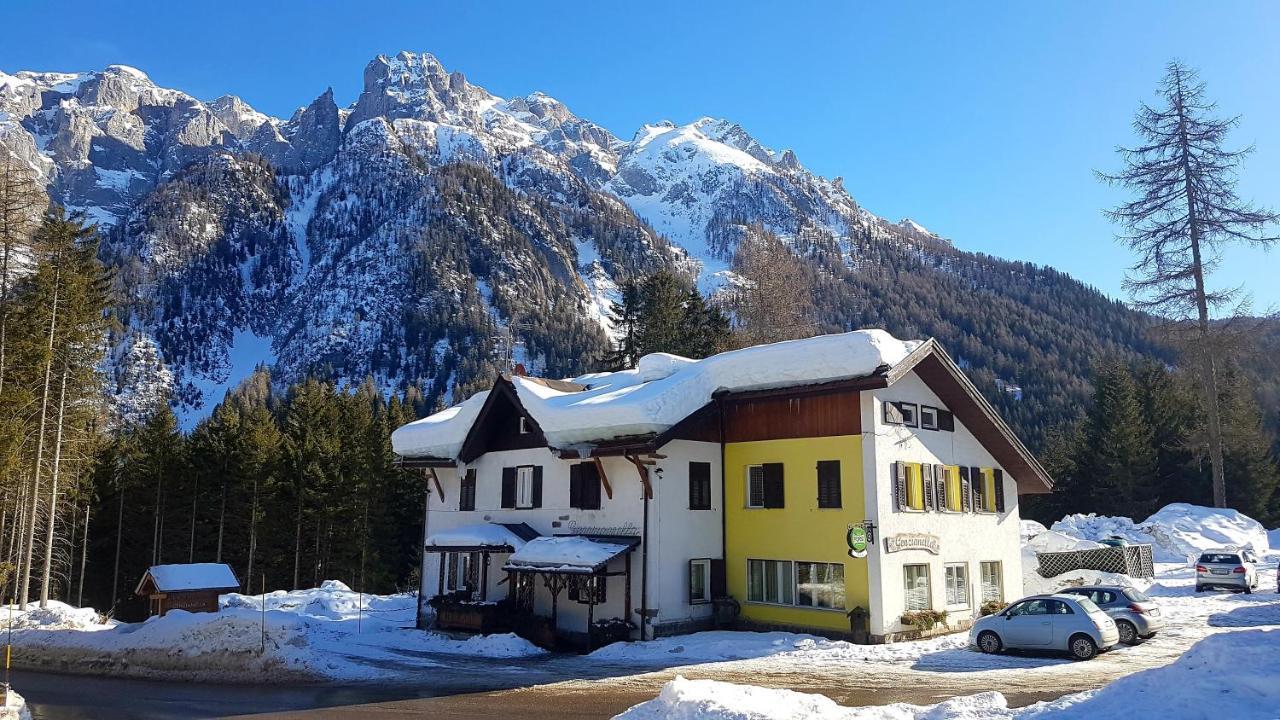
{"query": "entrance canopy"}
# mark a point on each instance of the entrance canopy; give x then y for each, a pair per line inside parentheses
(567, 555)
(486, 537)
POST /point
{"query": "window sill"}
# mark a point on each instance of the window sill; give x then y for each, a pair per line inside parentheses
(793, 606)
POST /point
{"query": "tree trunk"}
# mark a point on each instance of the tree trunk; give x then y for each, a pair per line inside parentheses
(1208, 371)
(47, 571)
(195, 499)
(222, 514)
(28, 542)
(253, 529)
(157, 529)
(297, 539)
(115, 574)
(84, 553)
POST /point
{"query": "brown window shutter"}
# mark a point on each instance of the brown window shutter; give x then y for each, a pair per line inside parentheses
(575, 485)
(946, 421)
(537, 486)
(699, 486)
(719, 583)
(965, 488)
(774, 494)
(999, 475)
(467, 492)
(508, 487)
(590, 487)
(979, 492)
(829, 483)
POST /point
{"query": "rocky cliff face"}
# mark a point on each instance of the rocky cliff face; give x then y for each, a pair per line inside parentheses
(423, 236)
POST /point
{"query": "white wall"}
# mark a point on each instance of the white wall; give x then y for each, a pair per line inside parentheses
(676, 533)
(964, 537)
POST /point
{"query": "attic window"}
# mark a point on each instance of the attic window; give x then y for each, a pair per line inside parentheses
(524, 425)
(901, 413)
(928, 417)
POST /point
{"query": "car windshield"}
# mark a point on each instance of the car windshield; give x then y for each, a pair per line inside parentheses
(1136, 595)
(1087, 604)
(1222, 558)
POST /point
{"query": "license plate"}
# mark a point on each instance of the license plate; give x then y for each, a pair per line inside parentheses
(1216, 571)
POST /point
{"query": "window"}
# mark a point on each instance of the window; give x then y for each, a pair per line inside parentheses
(915, 486)
(588, 589)
(461, 571)
(769, 581)
(524, 425)
(820, 585)
(984, 489)
(699, 581)
(916, 579)
(928, 417)
(957, 578)
(892, 415)
(699, 486)
(992, 581)
(952, 489)
(908, 411)
(764, 486)
(828, 483)
(467, 491)
(584, 486)
(522, 486)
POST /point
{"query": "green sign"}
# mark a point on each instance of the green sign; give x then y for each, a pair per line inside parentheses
(857, 540)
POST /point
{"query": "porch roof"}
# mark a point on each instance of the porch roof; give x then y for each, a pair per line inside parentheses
(491, 537)
(567, 555)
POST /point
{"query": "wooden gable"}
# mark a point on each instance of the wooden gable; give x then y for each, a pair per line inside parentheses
(497, 426)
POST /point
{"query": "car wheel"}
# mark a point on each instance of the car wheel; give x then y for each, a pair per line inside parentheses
(1247, 590)
(1128, 632)
(1199, 588)
(989, 642)
(1083, 647)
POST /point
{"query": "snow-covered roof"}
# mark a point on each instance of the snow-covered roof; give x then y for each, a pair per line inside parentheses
(661, 391)
(477, 536)
(567, 554)
(192, 576)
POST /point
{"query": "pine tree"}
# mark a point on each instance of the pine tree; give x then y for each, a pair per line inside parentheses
(625, 315)
(1186, 211)
(309, 423)
(1251, 469)
(1120, 470)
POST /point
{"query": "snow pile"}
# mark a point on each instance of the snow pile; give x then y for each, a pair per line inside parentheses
(663, 391)
(1228, 675)
(15, 708)
(326, 633)
(193, 576)
(721, 645)
(569, 552)
(1030, 529)
(1273, 538)
(1177, 532)
(1036, 539)
(58, 616)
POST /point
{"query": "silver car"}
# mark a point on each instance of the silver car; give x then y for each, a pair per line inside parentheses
(1137, 617)
(1047, 622)
(1229, 569)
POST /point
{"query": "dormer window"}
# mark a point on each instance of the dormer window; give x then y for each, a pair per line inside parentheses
(928, 417)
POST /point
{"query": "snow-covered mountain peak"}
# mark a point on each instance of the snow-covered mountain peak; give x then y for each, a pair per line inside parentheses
(239, 117)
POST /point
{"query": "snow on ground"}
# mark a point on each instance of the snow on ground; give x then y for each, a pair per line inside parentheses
(1230, 675)
(15, 708)
(330, 633)
(1177, 531)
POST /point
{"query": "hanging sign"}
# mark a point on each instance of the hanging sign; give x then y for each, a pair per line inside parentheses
(856, 538)
(911, 541)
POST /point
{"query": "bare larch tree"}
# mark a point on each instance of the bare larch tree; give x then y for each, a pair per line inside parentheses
(1185, 212)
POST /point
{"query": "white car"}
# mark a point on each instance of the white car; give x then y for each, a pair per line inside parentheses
(1071, 623)
(1227, 568)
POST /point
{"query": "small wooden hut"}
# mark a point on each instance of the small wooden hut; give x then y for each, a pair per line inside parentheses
(193, 587)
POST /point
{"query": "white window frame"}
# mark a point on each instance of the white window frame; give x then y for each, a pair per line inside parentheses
(907, 588)
(458, 581)
(998, 566)
(795, 595)
(910, 414)
(700, 566)
(784, 582)
(928, 417)
(956, 586)
(524, 425)
(524, 487)
(747, 485)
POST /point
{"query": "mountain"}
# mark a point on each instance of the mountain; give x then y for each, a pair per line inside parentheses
(431, 232)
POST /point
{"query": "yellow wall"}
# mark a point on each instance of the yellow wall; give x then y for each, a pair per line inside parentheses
(800, 530)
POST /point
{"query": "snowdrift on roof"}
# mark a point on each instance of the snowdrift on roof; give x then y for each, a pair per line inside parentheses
(570, 553)
(477, 535)
(1177, 531)
(662, 391)
(193, 576)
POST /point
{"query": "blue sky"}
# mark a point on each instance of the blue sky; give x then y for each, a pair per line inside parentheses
(981, 122)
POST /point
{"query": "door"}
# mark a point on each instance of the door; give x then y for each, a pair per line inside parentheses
(1028, 625)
